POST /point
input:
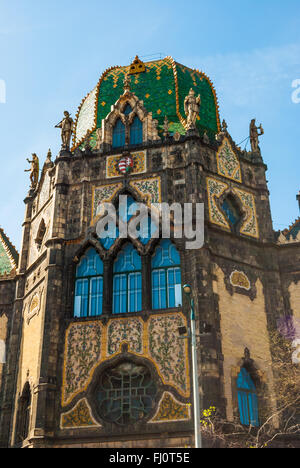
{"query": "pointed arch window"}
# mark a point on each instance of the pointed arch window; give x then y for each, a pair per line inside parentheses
(24, 414)
(136, 132)
(247, 399)
(232, 211)
(127, 281)
(118, 138)
(89, 285)
(166, 276)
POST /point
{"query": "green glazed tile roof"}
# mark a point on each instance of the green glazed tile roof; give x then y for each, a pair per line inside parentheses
(162, 87)
(9, 257)
(293, 230)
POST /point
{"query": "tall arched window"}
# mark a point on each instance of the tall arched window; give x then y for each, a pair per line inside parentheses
(166, 276)
(24, 414)
(247, 399)
(118, 138)
(127, 281)
(136, 131)
(89, 285)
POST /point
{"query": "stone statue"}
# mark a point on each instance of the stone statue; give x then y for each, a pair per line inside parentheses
(254, 136)
(192, 108)
(66, 126)
(224, 126)
(166, 127)
(34, 170)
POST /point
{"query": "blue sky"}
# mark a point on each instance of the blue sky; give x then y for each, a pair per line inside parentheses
(53, 52)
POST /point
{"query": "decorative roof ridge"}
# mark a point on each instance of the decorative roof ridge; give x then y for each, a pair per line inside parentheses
(202, 74)
(97, 87)
(10, 249)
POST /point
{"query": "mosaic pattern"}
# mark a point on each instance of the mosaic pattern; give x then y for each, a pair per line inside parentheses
(148, 188)
(128, 331)
(163, 88)
(228, 163)
(79, 417)
(86, 116)
(89, 343)
(168, 351)
(82, 353)
(170, 409)
(250, 225)
(103, 194)
(215, 188)
(139, 164)
(238, 278)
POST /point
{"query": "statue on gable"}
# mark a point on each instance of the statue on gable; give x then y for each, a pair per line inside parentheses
(254, 136)
(66, 126)
(34, 170)
(192, 108)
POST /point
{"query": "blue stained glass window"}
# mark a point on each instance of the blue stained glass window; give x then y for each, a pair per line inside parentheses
(231, 210)
(127, 281)
(247, 399)
(118, 134)
(127, 109)
(89, 285)
(136, 131)
(166, 276)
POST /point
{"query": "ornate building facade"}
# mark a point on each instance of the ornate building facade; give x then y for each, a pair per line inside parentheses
(90, 348)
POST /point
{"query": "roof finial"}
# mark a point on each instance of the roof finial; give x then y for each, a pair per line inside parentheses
(126, 83)
(298, 198)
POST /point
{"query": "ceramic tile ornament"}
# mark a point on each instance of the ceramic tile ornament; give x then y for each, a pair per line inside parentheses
(78, 417)
(170, 409)
(137, 166)
(215, 188)
(103, 194)
(250, 225)
(228, 162)
(149, 189)
(86, 116)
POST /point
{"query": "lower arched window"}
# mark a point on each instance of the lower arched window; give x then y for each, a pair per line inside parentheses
(89, 285)
(247, 399)
(166, 276)
(24, 411)
(127, 281)
(125, 393)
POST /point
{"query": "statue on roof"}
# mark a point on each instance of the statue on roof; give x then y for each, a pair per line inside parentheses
(192, 108)
(66, 126)
(254, 136)
(34, 170)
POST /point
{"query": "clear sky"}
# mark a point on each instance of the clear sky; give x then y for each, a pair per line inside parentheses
(53, 53)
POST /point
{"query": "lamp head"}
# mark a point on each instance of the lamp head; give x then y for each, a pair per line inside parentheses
(187, 289)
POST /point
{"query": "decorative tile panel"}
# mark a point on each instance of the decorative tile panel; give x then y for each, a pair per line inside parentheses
(103, 194)
(89, 343)
(86, 116)
(128, 331)
(228, 162)
(82, 353)
(139, 164)
(215, 188)
(239, 279)
(250, 225)
(168, 351)
(78, 417)
(150, 189)
(170, 409)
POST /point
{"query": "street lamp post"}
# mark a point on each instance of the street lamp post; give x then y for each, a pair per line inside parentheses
(196, 404)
